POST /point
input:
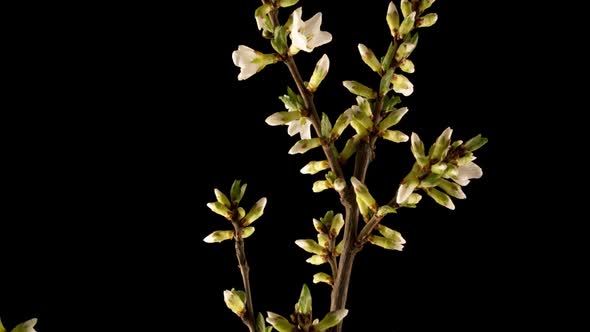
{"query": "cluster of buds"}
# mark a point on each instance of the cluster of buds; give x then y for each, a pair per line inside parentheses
(28, 326)
(445, 161)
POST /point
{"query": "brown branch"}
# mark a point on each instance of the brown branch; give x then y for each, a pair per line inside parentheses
(248, 319)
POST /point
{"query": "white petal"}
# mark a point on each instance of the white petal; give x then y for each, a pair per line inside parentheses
(470, 171)
(306, 130)
(312, 26)
(294, 128)
(404, 192)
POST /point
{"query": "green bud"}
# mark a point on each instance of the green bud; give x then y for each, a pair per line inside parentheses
(439, 168)
(237, 192)
(292, 101)
(327, 218)
(305, 145)
(406, 7)
(407, 66)
(360, 89)
(452, 189)
(280, 323)
(27, 326)
(417, 147)
(386, 60)
(425, 4)
(441, 198)
(475, 143)
(234, 302)
(406, 188)
(241, 213)
(395, 136)
(385, 210)
(385, 84)
(247, 232)
(350, 147)
(319, 226)
(341, 123)
(311, 246)
(427, 20)
(386, 243)
(219, 236)
(452, 171)
(362, 193)
(413, 199)
(303, 306)
(279, 40)
(323, 277)
(282, 118)
(391, 234)
(339, 184)
(430, 181)
(441, 146)
(261, 17)
(466, 159)
(456, 144)
(337, 223)
(402, 84)
(392, 19)
(406, 48)
(321, 185)
(393, 118)
(317, 259)
(319, 73)
(287, 3)
(331, 319)
(364, 106)
(326, 126)
(314, 167)
(369, 58)
(255, 212)
(3, 329)
(362, 118)
(407, 25)
(323, 240)
(220, 209)
(339, 247)
(221, 198)
(363, 209)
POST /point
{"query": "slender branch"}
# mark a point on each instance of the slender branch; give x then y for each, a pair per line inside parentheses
(248, 319)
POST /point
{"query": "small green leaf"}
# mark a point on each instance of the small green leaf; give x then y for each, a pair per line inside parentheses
(385, 84)
(305, 145)
(441, 146)
(326, 126)
(260, 325)
(279, 322)
(393, 118)
(255, 212)
(475, 143)
(279, 42)
(350, 147)
(388, 58)
(331, 319)
(311, 246)
(341, 123)
(219, 236)
(323, 277)
(390, 103)
(237, 192)
(303, 306)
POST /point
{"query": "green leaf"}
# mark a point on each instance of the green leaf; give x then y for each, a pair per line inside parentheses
(331, 319)
(305, 145)
(360, 89)
(350, 147)
(260, 325)
(390, 103)
(323, 277)
(326, 126)
(385, 84)
(341, 123)
(475, 143)
(255, 212)
(303, 306)
(441, 146)
(386, 61)
(237, 192)
(219, 236)
(311, 246)
(279, 322)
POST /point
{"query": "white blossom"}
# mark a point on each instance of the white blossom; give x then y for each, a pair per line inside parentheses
(306, 35)
(250, 61)
(302, 126)
(467, 172)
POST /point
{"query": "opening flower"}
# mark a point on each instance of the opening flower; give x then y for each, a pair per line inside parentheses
(307, 35)
(467, 172)
(250, 61)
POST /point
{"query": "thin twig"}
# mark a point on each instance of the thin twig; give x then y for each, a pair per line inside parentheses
(248, 319)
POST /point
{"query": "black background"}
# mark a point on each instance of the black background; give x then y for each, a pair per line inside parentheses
(126, 118)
